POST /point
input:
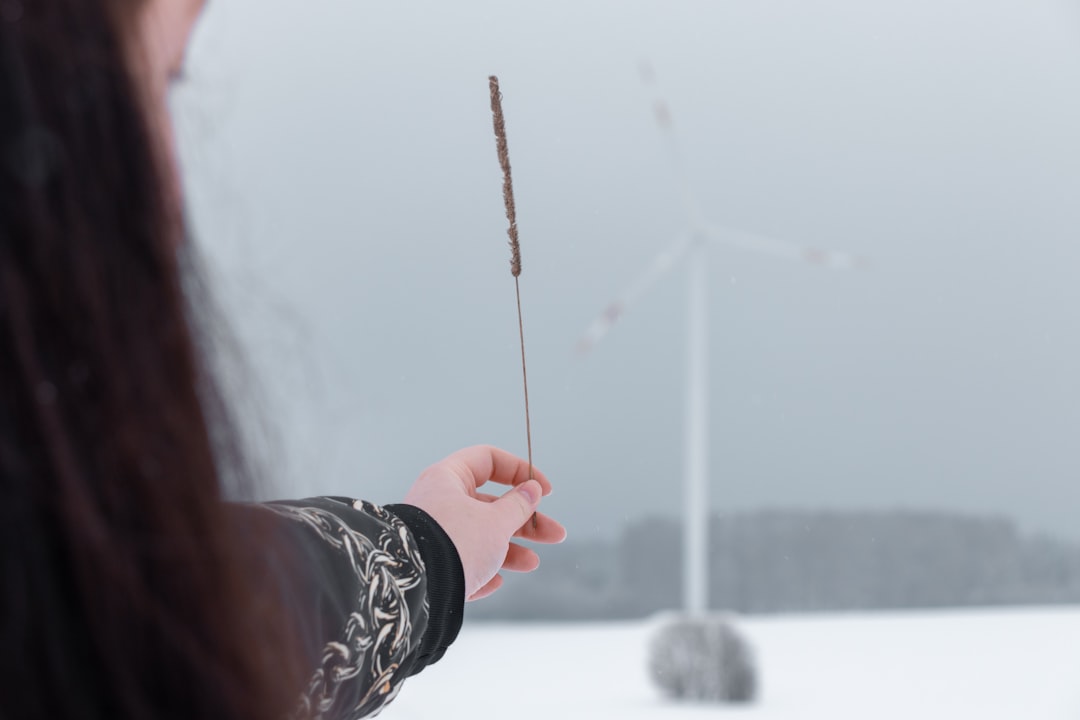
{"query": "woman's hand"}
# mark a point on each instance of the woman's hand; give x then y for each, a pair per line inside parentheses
(481, 525)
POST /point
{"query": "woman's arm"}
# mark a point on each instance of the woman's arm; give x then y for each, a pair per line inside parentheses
(375, 594)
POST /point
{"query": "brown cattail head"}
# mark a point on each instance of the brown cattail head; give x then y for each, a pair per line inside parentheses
(508, 183)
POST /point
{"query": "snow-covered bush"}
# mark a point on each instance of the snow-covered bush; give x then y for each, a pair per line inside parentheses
(703, 658)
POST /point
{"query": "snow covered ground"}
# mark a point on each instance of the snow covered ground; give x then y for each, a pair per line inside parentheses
(977, 665)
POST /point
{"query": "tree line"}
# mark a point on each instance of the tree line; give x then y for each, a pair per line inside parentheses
(798, 561)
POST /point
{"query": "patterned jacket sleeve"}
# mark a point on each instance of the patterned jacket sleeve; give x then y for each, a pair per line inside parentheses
(378, 596)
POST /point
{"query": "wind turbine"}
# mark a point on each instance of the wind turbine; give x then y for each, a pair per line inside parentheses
(691, 249)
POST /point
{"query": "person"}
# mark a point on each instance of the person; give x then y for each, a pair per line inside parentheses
(130, 585)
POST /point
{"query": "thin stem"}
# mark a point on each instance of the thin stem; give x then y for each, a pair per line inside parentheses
(524, 376)
(525, 384)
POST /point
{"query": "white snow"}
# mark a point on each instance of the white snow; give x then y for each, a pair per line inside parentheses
(948, 665)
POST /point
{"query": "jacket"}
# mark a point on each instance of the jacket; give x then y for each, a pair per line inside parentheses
(376, 595)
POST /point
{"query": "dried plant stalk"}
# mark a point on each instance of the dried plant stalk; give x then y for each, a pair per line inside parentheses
(515, 245)
(508, 182)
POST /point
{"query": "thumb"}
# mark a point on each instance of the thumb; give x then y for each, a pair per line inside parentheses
(518, 505)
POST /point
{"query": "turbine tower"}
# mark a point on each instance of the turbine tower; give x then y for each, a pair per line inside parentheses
(691, 249)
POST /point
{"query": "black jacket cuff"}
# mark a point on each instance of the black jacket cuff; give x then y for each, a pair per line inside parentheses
(445, 584)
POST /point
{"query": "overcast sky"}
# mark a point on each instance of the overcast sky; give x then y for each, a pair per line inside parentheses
(342, 178)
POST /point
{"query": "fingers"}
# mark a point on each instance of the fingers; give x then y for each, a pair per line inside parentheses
(547, 530)
(483, 463)
(491, 586)
(520, 559)
(516, 507)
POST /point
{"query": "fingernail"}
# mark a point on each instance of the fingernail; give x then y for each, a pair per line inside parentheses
(529, 490)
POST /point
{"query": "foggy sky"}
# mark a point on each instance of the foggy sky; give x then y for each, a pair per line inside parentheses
(342, 178)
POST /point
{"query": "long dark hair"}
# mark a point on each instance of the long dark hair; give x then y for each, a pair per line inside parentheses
(126, 588)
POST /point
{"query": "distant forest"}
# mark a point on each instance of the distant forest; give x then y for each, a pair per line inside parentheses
(792, 561)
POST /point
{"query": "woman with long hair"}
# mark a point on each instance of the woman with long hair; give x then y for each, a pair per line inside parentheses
(129, 586)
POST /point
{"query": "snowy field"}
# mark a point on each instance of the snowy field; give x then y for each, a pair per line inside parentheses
(962, 665)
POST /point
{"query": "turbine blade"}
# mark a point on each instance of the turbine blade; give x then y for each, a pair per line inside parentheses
(728, 236)
(664, 121)
(658, 268)
(785, 250)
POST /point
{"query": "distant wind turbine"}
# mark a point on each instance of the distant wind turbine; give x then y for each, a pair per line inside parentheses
(690, 249)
